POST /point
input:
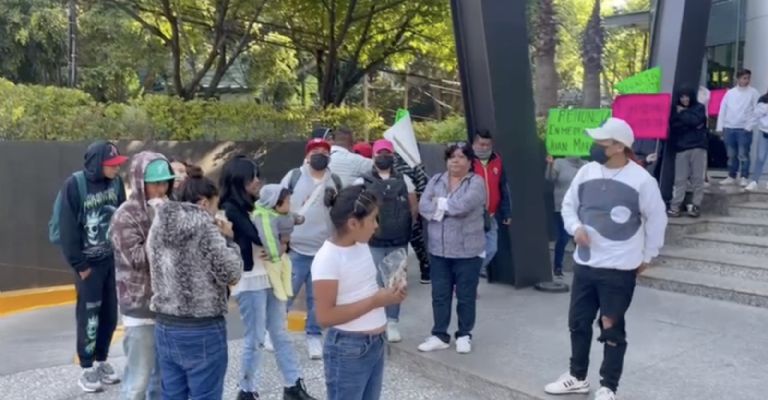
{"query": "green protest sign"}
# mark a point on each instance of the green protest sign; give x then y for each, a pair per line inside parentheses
(646, 82)
(566, 134)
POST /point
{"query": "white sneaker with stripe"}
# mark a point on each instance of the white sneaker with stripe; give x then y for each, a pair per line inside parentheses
(567, 384)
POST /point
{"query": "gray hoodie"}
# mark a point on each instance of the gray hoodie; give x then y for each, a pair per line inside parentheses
(561, 173)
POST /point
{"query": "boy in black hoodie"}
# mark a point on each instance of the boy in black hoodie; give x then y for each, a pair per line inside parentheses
(83, 225)
(689, 137)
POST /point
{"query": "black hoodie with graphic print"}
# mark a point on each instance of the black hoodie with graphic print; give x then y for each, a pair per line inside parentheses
(83, 223)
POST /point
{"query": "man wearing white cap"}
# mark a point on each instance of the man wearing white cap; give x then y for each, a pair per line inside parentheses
(616, 214)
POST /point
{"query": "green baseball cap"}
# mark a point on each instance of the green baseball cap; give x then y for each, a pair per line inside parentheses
(158, 171)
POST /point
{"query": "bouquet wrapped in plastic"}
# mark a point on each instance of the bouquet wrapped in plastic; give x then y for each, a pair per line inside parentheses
(394, 269)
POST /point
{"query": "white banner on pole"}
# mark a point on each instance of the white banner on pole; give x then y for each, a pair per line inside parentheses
(404, 139)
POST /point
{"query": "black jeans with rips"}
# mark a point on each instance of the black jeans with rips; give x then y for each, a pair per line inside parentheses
(610, 291)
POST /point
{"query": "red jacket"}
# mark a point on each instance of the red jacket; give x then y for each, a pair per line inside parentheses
(498, 200)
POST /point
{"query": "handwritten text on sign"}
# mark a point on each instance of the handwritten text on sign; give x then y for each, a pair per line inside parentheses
(566, 134)
(647, 114)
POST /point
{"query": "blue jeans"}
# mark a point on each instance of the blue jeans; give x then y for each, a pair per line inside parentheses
(738, 144)
(464, 275)
(192, 359)
(762, 155)
(563, 238)
(354, 365)
(491, 242)
(141, 377)
(302, 276)
(261, 311)
(379, 253)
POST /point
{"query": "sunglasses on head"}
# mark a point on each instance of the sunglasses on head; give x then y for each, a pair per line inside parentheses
(460, 144)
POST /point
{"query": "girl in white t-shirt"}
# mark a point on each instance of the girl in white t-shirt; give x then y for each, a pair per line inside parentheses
(349, 300)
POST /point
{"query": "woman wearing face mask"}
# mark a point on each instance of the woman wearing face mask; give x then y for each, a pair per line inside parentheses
(689, 137)
(192, 262)
(398, 209)
(309, 184)
(454, 205)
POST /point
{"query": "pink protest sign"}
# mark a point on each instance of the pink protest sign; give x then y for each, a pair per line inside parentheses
(647, 114)
(715, 99)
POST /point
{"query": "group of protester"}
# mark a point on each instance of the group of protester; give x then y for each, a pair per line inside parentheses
(742, 111)
(173, 252)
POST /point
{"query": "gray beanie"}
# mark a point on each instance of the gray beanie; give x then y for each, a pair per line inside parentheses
(269, 195)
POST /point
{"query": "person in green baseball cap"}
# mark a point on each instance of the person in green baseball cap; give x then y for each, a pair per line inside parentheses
(152, 184)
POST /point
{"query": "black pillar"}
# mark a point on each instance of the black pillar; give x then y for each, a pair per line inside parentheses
(492, 48)
(678, 45)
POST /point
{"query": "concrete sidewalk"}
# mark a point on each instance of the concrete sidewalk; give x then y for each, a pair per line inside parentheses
(680, 347)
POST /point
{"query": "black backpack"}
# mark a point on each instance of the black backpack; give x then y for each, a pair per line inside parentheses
(394, 210)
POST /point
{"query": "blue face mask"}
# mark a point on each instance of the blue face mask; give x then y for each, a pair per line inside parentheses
(597, 154)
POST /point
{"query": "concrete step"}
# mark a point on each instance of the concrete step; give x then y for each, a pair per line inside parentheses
(753, 226)
(742, 291)
(727, 243)
(749, 209)
(679, 228)
(714, 262)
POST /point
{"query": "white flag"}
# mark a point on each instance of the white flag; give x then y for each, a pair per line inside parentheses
(404, 139)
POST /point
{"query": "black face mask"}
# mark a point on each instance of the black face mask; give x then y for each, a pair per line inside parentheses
(384, 162)
(318, 162)
(597, 153)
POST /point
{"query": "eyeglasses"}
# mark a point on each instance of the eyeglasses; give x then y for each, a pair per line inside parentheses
(460, 144)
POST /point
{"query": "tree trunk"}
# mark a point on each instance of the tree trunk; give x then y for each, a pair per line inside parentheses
(546, 78)
(592, 55)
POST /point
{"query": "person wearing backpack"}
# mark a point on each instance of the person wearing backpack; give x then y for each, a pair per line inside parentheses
(309, 184)
(398, 209)
(152, 184)
(85, 207)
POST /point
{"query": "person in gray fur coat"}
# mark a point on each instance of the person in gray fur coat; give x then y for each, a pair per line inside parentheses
(193, 261)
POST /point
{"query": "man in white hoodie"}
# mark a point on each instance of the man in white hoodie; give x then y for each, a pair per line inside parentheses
(735, 120)
(617, 217)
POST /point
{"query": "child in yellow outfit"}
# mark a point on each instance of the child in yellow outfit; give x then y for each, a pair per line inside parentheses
(275, 222)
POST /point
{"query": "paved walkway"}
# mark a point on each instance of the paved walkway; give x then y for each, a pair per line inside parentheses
(680, 347)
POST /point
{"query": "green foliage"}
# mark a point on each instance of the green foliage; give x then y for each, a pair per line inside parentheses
(49, 113)
(33, 41)
(452, 129)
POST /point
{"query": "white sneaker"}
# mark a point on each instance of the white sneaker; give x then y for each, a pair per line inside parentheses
(433, 343)
(605, 394)
(268, 346)
(315, 347)
(752, 186)
(393, 332)
(464, 345)
(567, 384)
(728, 181)
(743, 182)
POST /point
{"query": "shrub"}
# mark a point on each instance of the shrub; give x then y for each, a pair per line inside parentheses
(52, 113)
